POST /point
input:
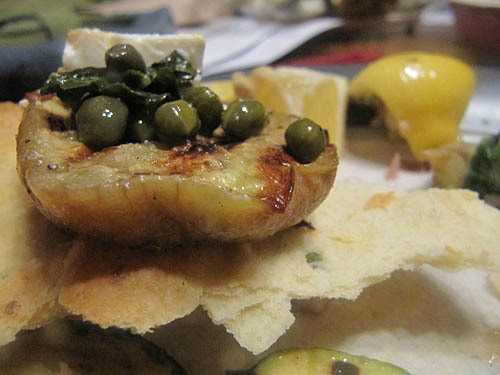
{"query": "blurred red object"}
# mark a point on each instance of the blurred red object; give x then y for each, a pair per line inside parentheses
(354, 56)
(478, 23)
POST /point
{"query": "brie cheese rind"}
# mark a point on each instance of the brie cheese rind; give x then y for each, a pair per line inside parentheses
(358, 237)
(86, 47)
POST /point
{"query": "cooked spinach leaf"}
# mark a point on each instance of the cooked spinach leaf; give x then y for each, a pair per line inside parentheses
(484, 171)
(161, 83)
(171, 74)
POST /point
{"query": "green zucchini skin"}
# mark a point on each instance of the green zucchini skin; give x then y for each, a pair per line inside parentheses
(319, 362)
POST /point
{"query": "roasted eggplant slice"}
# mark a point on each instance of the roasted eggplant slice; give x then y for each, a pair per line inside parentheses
(73, 347)
(139, 193)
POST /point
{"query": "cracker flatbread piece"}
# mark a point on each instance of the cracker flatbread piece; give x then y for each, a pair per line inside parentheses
(361, 235)
(31, 249)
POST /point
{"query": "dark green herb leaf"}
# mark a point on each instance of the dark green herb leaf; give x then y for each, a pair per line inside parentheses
(162, 79)
(142, 91)
(71, 86)
(141, 99)
(313, 257)
(484, 171)
(136, 79)
(171, 74)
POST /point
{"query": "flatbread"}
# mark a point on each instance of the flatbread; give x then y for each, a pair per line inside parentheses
(494, 279)
(30, 250)
(426, 321)
(362, 235)
(358, 237)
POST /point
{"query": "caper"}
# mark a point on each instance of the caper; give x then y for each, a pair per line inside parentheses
(176, 121)
(101, 121)
(140, 130)
(305, 140)
(243, 119)
(122, 57)
(207, 104)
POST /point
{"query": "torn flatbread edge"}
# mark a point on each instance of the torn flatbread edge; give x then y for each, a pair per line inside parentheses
(447, 229)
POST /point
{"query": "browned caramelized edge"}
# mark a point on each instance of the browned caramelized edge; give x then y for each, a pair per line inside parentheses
(277, 168)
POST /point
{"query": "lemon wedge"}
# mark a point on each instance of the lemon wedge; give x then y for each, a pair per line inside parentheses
(321, 97)
(223, 88)
(424, 96)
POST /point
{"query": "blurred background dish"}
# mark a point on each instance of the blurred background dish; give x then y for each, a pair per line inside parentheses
(242, 34)
(361, 8)
(478, 23)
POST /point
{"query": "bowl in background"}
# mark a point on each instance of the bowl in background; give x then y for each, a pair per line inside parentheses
(478, 23)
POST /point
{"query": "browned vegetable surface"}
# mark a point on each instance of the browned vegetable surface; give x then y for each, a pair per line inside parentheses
(145, 193)
(72, 347)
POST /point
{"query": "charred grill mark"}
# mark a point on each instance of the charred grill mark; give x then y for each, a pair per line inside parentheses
(195, 148)
(184, 166)
(277, 168)
(57, 123)
(186, 159)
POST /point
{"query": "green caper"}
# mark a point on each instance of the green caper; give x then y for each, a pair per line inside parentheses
(122, 57)
(207, 104)
(243, 119)
(305, 140)
(140, 130)
(176, 121)
(101, 121)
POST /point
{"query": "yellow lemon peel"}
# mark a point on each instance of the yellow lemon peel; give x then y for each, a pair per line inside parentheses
(424, 95)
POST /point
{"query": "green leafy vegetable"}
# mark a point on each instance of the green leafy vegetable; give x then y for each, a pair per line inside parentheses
(137, 98)
(145, 91)
(484, 171)
(142, 90)
(71, 86)
(171, 74)
(314, 259)
(136, 79)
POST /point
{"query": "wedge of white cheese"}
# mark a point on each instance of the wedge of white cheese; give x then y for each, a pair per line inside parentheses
(86, 47)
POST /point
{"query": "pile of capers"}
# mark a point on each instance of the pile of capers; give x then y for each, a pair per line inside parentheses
(105, 120)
